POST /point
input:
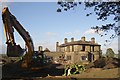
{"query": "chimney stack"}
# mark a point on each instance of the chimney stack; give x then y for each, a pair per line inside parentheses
(65, 40)
(40, 49)
(57, 44)
(72, 39)
(83, 38)
(93, 40)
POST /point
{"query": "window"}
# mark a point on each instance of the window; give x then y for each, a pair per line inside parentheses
(72, 48)
(83, 58)
(92, 48)
(83, 48)
(68, 57)
(68, 48)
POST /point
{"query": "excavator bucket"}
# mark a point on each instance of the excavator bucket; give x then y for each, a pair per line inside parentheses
(14, 51)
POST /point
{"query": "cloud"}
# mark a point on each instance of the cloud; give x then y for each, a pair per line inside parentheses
(74, 33)
(90, 31)
(50, 46)
(50, 34)
(68, 33)
(46, 44)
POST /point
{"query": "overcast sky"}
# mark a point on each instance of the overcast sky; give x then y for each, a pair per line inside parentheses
(46, 26)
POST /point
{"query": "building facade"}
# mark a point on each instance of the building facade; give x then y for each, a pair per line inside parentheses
(80, 51)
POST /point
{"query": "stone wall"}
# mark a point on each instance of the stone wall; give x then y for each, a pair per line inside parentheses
(87, 48)
(75, 53)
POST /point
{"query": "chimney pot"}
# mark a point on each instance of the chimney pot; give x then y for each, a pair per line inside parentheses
(93, 40)
(83, 38)
(72, 39)
(57, 43)
(40, 48)
(65, 40)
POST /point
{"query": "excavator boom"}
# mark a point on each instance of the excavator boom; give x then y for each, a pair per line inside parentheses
(10, 23)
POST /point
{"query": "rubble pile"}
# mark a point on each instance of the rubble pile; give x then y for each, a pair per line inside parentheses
(105, 63)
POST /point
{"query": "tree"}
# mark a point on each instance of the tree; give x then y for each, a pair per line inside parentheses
(119, 54)
(103, 10)
(46, 50)
(110, 53)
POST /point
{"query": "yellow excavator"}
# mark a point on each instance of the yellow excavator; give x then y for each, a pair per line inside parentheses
(13, 50)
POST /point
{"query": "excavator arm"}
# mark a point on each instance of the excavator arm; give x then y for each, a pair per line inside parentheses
(13, 50)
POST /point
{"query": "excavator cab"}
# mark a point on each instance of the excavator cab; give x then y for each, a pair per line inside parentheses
(14, 51)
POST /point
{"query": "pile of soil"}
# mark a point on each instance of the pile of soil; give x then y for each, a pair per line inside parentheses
(99, 73)
(105, 63)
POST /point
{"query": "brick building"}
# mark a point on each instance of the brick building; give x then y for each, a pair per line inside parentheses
(80, 51)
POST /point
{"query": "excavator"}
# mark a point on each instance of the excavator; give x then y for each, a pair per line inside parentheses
(13, 50)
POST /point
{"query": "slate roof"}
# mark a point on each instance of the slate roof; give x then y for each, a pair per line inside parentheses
(79, 43)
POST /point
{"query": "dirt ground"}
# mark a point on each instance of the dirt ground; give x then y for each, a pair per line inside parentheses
(91, 74)
(99, 73)
(12, 73)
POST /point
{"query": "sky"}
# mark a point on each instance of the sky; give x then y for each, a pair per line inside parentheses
(46, 26)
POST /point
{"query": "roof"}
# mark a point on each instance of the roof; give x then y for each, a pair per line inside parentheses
(79, 43)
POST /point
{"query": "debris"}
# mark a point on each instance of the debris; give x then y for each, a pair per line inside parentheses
(73, 69)
(105, 63)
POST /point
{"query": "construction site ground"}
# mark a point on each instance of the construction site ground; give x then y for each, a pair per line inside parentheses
(12, 71)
